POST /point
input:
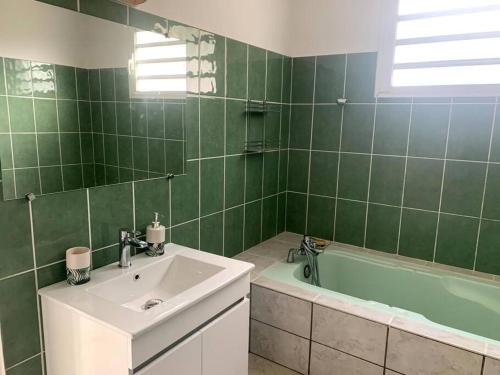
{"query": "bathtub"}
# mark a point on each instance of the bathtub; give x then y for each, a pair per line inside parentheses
(450, 319)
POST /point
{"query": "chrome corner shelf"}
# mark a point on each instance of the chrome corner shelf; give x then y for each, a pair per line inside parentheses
(258, 147)
(262, 106)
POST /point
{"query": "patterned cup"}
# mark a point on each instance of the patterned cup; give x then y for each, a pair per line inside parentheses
(78, 265)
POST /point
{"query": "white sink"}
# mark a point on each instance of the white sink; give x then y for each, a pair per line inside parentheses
(158, 282)
(117, 297)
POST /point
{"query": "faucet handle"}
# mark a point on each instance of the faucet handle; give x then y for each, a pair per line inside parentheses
(125, 233)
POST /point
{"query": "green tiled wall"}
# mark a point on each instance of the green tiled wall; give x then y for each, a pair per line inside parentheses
(64, 128)
(413, 176)
(227, 201)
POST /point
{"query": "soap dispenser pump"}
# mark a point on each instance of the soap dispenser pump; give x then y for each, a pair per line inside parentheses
(155, 237)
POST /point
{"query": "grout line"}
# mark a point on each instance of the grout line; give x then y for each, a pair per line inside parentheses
(310, 146)
(10, 128)
(450, 113)
(225, 150)
(35, 274)
(246, 157)
(484, 187)
(370, 172)
(263, 163)
(58, 131)
(290, 122)
(116, 126)
(340, 151)
(276, 229)
(404, 177)
(79, 127)
(36, 136)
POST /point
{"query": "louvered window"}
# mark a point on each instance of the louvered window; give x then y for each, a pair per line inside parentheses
(439, 48)
(158, 67)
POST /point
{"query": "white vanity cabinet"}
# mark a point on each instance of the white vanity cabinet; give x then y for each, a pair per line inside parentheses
(220, 348)
(104, 327)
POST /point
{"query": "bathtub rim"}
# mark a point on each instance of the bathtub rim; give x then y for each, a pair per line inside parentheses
(374, 311)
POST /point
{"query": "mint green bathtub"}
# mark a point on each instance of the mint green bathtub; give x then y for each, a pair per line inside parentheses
(462, 302)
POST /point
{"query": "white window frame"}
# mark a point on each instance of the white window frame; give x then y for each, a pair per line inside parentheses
(172, 95)
(387, 42)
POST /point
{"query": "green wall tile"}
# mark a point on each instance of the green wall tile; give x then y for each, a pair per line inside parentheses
(66, 82)
(350, 222)
(296, 206)
(382, 228)
(326, 130)
(234, 180)
(18, 77)
(109, 124)
(300, 126)
(45, 116)
(463, 188)
(212, 127)
(303, 79)
(271, 167)
(456, 242)
(235, 126)
(106, 9)
(491, 208)
(187, 234)
(16, 254)
(107, 84)
(151, 196)
(51, 274)
(48, 149)
(236, 69)
(429, 127)
(94, 84)
(360, 78)
(174, 121)
(185, 195)
(211, 235)
(256, 73)
(233, 231)
(353, 176)
(24, 148)
(27, 181)
(298, 170)
(4, 119)
(21, 115)
(70, 148)
(19, 318)
(470, 131)
(423, 183)
(59, 222)
(147, 21)
(253, 219)
(253, 187)
(212, 73)
(123, 119)
(330, 76)
(2, 77)
(82, 81)
(281, 220)
(357, 129)
(104, 257)
(323, 175)
(274, 77)
(269, 217)
(32, 366)
(51, 179)
(418, 234)
(44, 85)
(212, 185)
(391, 129)
(387, 175)
(488, 256)
(68, 116)
(287, 79)
(110, 210)
(495, 144)
(5, 151)
(320, 217)
(122, 84)
(68, 4)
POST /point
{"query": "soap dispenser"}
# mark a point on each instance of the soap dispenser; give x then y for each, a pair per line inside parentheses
(155, 237)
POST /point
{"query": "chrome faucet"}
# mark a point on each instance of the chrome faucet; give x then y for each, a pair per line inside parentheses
(127, 239)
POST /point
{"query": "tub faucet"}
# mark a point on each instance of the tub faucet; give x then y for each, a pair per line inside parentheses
(307, 246)
(127, 239)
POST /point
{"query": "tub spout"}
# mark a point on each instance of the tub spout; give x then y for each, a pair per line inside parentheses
(291, 256)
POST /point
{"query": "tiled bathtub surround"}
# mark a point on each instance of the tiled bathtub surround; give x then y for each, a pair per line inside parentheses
(345, 339)
(412, 176)
(227, 201)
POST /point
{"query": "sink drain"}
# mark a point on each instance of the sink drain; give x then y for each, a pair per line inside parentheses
(152, 303)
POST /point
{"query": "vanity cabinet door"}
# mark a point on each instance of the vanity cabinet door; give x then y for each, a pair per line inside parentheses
(225, 342)
(184, 359)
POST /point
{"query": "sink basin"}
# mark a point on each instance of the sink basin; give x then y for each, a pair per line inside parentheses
(153, 290)
(156, 283)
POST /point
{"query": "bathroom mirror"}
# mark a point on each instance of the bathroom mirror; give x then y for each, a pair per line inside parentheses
(87, 102)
